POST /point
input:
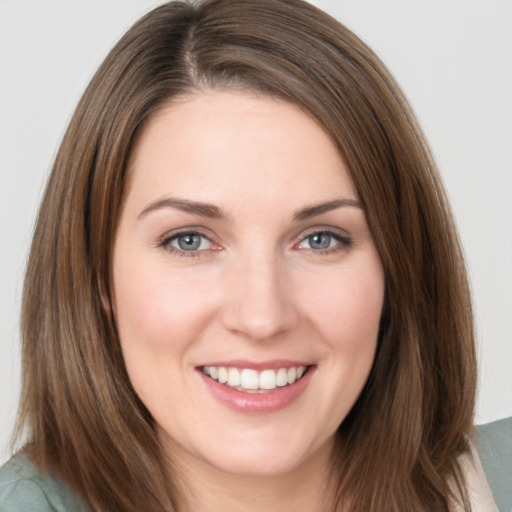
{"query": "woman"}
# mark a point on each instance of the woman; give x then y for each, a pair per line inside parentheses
(245, 289)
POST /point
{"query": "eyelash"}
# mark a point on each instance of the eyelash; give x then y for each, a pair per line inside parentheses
(165, 243)
(344, 242)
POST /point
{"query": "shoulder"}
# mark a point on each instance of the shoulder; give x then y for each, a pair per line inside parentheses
(479, 493)
(23, 488)
(493, 442)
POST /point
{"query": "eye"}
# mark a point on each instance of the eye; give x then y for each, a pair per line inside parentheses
(319, 241)
(190, 242)
(324, 241)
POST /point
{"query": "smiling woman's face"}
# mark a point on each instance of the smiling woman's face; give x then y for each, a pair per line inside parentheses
(243, 253)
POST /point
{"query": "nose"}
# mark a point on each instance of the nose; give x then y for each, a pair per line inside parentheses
(260, 303)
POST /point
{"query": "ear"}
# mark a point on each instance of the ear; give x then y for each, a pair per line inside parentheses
(107, 301)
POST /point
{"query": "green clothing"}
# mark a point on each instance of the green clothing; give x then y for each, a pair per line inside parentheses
(494, 445)
(24, 489)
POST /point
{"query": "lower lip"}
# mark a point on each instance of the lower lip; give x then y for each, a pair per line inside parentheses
(258, 403)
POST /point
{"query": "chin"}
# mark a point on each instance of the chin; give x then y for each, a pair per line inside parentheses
(264, 457)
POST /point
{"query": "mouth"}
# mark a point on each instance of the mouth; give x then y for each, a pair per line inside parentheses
(257, 388)
(250, 380)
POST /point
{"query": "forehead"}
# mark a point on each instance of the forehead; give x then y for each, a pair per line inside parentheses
(214, 143)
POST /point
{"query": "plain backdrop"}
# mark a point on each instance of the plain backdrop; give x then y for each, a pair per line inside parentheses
(453, 59)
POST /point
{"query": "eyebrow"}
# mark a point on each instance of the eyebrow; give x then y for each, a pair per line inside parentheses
(318, 209)
(202, 209)
(214, 212)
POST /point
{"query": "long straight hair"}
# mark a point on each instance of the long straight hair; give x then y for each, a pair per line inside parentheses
(398, 448)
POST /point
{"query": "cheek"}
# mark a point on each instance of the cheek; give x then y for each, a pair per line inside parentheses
(159, 316)
(349, 322)
(346, 306)
(155, 308)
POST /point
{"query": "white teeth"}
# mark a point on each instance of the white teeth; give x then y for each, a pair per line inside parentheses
(233, 377)
(247, 379)
(268, 379)
(282, 377)
(223, 375)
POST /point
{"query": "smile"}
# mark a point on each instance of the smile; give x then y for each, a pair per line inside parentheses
(249, 380)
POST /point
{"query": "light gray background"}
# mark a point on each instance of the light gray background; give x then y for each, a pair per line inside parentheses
(452, 57)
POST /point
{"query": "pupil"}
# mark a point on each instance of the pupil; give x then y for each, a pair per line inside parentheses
(189, 242)
(320, 241)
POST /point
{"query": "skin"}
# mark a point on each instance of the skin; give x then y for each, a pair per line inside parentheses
(257, 289)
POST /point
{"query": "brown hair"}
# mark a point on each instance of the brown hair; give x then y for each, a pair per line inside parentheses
(399, 445)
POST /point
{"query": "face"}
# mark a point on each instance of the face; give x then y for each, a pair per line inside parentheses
(247, 287)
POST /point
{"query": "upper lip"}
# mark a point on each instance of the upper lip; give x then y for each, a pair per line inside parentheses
(274, 364)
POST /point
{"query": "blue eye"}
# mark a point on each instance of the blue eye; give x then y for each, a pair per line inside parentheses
(320, 241)
(325, 241)
(188, 242)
